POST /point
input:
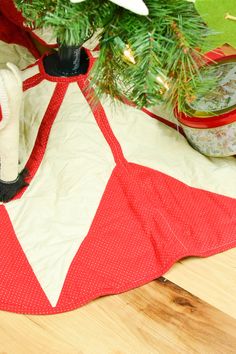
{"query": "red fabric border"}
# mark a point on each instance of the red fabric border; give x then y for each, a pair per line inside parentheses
(1, 117)
(164, 121)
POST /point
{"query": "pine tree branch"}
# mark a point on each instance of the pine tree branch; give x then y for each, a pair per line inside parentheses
(145, 59)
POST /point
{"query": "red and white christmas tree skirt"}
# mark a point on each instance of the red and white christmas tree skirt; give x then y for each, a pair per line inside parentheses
(115, 198)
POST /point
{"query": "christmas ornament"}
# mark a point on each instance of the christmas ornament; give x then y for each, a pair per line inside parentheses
(210, 125)
(125, 50)
(136, 6)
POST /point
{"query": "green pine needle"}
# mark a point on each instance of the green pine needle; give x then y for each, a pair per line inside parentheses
(166, 46)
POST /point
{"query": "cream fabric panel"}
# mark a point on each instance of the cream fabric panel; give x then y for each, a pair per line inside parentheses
(30, 72)
(46, 35)
(148, 142)
(55, 214)
(34, 107)
(16, 54)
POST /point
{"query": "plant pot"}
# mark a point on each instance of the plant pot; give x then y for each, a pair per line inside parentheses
(210, 127)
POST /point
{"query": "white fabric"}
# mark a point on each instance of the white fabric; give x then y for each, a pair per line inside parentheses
(46, 36)
(35, 102)
(16, 54)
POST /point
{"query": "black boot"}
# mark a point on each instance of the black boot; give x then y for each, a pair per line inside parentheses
(8, 190)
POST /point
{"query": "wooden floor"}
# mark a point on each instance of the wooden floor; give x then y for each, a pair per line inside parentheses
(159, 317)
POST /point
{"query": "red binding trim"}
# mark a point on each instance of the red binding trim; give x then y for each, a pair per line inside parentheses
(206, 123)
(32, 81)
(155, 116)
(164, 121)
(1, 116)
(67, 80)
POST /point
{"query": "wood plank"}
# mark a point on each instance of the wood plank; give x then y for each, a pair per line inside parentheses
(156, 318)
(212, 279)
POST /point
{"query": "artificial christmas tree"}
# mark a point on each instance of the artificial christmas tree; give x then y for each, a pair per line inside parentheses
(146, 59)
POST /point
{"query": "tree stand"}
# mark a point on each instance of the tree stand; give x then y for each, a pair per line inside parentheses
(68, 61)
